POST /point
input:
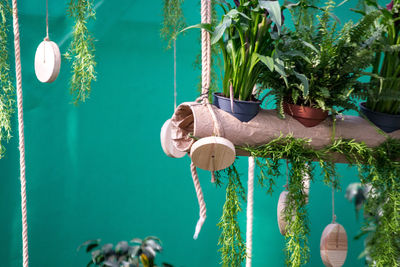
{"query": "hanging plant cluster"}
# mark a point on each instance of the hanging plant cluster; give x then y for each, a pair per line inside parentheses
(81, 50)
(313, 73)
(7, 91)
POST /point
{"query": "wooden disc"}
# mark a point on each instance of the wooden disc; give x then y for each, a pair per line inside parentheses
(47, 61)
(166, 142)
(333, 245)
(213, 153)
(282, 203)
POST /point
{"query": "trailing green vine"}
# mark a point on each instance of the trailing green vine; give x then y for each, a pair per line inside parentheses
(7, 101)
(377, 167)
(81, 50)
(233, 248)
(174, 20)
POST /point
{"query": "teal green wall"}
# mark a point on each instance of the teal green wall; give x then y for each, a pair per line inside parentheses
(98, 170)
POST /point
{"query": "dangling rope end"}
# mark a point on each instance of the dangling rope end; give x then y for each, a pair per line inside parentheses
(199, 225)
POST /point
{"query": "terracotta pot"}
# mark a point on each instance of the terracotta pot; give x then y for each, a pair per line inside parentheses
(307, 116)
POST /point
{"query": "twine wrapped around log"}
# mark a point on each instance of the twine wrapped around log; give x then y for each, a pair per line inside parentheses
(194, 119)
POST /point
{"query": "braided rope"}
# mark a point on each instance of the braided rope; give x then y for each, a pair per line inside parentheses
(18, 73)
(250, 204)
(200, 199)
(205, 48)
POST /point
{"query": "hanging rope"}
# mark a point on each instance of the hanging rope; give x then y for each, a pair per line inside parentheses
(175, 93)
(250, 203)
(47, 21)
(21, 135)
(333, 205)
(200, 199)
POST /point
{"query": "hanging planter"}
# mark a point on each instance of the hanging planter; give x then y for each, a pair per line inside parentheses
(386, 122)
(242, 110)
(308, 116)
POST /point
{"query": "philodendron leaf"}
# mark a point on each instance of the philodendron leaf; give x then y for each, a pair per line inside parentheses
(203, 26)
(234, 13)
(89, 243)
(220, 29)
(268, 61)
(137, 241)
(304, 82)
(310, 46)
(274, 10)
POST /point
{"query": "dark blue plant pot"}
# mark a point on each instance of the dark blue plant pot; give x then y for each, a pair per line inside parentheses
(386, 122)
(242, 110)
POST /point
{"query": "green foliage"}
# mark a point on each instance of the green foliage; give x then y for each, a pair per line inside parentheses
(320, 65)
(233, 249)
(81, 50)
(174, 20)
(140, 253)
(7, 103)
(246, 38)
(383, 90)
(378, 169)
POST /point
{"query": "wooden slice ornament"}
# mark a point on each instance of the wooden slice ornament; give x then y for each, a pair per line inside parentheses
(213, 153)
(47, 61)
(47, 57)
(166, 142)
(333, 245)
(282, 204)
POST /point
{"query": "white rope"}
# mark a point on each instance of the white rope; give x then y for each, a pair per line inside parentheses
(175, 93)
(47, 21)
(333, 205)
(250, 203)
(200, 199)
(21, 135)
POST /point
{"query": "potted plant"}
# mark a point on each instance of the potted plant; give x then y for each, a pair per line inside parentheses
(383, 92)
(140, 253)
(318, 65)
(246, 36)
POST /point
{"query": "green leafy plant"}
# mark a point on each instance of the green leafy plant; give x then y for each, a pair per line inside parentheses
(233, 248)
(141, 253)
(378, 168)
(246, 35)
(174, 20)
(7, 102)
(318, 64)
(383, 91)
(81, 50)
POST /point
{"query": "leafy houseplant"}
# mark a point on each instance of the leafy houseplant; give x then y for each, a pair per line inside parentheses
(319, 65)
(246, 36)
(142, 253)
(383, 92)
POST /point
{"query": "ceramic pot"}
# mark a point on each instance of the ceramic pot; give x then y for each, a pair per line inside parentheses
(386, 122)
(242, 110)
(307, 116)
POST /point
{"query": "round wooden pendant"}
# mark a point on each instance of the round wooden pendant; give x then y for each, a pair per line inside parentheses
(47, 61)
(166, 142)
(213, 153)
(282, 203)
(334, 245)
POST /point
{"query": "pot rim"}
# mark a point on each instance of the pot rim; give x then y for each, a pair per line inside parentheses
(218, 94)
(363, 106)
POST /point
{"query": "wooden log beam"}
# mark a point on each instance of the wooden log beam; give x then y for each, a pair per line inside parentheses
(195, 119)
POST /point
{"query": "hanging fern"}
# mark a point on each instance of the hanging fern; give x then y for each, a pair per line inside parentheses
(81, 50)
(233, 248)
(378, 167)
(7, 101)
(174, 20)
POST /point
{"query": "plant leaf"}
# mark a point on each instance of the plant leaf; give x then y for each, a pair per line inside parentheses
(274, 10)
(304, 81)
(268, 61)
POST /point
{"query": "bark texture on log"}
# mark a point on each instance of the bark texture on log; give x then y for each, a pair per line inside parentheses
(195, 119)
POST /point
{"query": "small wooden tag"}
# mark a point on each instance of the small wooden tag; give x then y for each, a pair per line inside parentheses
(47, 61)
(333, 245)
